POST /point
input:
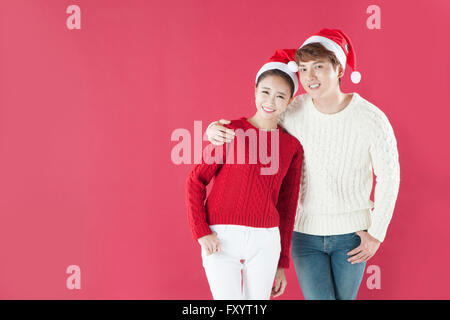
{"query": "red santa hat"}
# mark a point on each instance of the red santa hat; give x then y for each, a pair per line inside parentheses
(282, 60)
(338, 42)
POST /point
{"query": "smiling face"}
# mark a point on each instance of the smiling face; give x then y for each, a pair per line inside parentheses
(319, 69)
(272, 96)
(319, 77)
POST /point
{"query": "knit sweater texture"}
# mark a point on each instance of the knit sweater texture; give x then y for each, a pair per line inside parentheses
(341, 153)
(241, 193)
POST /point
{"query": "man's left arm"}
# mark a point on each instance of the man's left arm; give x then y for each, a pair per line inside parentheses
(385, 162)
(384, 156)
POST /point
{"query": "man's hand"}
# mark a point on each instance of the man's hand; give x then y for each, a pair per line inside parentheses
(366, 250)
(210, 243)
(218, 134)
(280, 283)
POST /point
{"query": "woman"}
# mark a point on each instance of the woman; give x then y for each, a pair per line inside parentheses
(245, 227)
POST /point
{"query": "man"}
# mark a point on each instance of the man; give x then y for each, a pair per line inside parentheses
(344, 137)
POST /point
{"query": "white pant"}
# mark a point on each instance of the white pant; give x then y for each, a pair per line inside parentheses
(259, 248)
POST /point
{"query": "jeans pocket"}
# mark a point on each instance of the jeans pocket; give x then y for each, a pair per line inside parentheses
(357, 238)
(356, 235)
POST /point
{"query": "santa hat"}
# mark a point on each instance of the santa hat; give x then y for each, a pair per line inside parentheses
(282, 60)
(338, 42)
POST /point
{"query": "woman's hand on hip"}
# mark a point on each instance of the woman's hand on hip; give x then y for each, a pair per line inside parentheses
(210, 243)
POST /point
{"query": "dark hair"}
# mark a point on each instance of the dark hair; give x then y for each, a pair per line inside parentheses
(276, 72)
(315, 51)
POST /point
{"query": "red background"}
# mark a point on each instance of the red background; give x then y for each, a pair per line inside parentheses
(86, 118)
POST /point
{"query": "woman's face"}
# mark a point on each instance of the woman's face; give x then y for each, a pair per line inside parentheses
(272, 96)
(319, 77)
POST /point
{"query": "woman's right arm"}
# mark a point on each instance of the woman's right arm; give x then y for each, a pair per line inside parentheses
(198, 179)
(219, 134)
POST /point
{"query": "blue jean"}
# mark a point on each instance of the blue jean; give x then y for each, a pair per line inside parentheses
(322, 267)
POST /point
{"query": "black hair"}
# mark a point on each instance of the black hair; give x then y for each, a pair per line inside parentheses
(282, 74)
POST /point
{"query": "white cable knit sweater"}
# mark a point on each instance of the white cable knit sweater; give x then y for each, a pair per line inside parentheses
(340, 151)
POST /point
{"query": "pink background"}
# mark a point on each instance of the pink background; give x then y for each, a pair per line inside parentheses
(86, 118)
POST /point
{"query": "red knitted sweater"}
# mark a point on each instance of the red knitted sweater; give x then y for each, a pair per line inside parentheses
(241, 194)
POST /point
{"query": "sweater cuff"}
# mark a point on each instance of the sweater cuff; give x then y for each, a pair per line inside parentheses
(201, 231)
(283, 262)
(378, 233)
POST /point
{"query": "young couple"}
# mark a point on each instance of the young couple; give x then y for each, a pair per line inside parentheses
(318, 200)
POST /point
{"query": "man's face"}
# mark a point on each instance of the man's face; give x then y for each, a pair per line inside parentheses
(319, 78)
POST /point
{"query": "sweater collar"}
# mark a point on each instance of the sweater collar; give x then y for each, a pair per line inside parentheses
(247, 124)
(336, 115)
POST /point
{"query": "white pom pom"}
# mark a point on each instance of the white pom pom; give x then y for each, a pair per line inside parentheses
(355, 76)
(292, 66)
